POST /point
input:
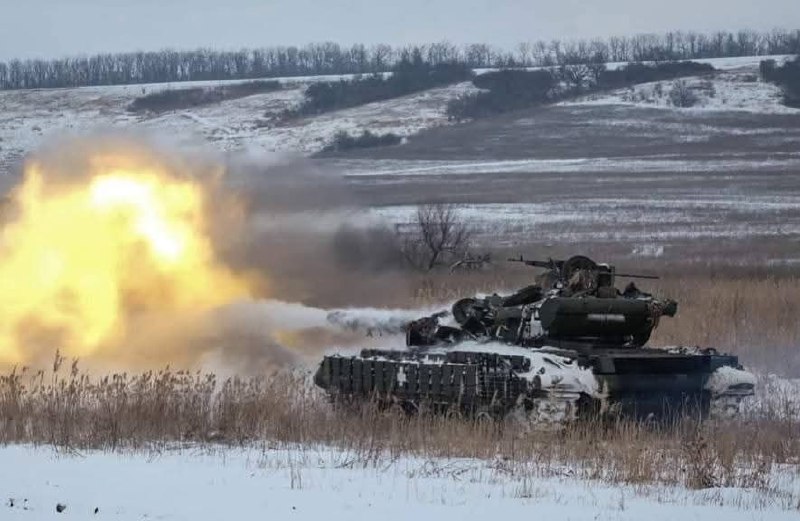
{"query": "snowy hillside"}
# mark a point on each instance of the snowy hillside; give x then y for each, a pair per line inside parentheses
(735, 86)
(30, 117)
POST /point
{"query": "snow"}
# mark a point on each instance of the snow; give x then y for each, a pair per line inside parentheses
(626, 219)
(726, 64)
(403, 116)
(725, 380)
(742, 62)
(637, 166)
(315, 483)
(775, 396)
(648, 250)
(30, 117)
(721, 64)
(736, 89)
(553, 371)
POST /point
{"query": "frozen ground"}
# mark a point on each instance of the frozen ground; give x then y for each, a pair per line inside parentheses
(723, 64)
(775, 396)
(612, 178)
(722, 91)
(712, 209)
(29, 117)
(634, 168)
(318, 483)
(736, 86)
(616, 220)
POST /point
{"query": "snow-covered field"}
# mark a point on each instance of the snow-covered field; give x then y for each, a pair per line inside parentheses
(721, 64)
(199, 484)
(619, 167)
(736, 86)
(623, 219)
(29, 118)
(635, 167)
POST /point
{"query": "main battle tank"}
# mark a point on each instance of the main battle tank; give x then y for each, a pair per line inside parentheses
(569, 346)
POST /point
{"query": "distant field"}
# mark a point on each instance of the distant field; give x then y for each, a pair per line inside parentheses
(29, 118)
(697, 186)
(716, 183)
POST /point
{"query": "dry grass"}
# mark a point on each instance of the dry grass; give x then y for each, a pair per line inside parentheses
(755, 318)
(67, 408)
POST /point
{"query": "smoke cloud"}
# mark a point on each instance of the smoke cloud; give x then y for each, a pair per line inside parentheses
(287, 235)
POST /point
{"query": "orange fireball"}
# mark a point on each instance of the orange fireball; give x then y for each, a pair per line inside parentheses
(81, 255)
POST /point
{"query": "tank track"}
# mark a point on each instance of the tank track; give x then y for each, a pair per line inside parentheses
(539, 387)
(466, 383)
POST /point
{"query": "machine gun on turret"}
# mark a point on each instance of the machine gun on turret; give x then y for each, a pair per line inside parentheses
(577, 271)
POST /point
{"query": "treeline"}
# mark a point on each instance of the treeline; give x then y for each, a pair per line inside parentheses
(179, 99)
(408, 78)
(787, 76)
(331, 58)
(512, 89)
(343, 141)
(670, 46)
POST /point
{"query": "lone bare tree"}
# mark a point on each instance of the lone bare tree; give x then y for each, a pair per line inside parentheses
(437, 234)
(681, 95)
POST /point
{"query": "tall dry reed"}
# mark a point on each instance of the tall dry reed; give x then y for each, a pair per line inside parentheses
(68, 408)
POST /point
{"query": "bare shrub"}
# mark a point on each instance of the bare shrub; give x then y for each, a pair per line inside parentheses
(472, 262)
(681, 95)
(343, 141)
(708, 88)
(179, 99)
(629, 95)
(700, 471)
(437, 235)
(407, 78)
(577, 77)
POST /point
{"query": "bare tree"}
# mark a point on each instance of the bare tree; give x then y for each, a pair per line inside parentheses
(577, 77)
(597, 66)
(541, 53)
(437, 235)
(472, 262)
(681, 95)
(525, 53)
(331, 58)
(381, 57)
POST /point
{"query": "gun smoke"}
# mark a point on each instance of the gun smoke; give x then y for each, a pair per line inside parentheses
(283, 260)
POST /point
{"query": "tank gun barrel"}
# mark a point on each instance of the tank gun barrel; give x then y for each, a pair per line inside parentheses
(556, 265)
(634, 276)
(537, 263)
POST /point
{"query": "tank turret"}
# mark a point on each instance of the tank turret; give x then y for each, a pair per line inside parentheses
(573, 303)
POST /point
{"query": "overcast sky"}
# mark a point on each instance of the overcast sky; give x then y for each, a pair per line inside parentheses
(51, 28)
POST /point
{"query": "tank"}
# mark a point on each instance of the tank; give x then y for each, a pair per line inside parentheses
(570, 346)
